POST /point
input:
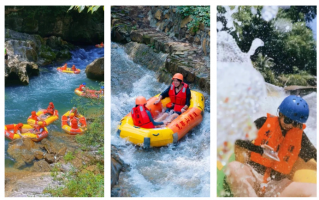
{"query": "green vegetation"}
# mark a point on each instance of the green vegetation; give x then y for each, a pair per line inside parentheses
(288, 42)
(199, 14)
(91, 9)
(69, 156)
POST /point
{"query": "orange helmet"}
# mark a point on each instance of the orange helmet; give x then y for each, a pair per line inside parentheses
(73, 65)
(20, 125)
(140, 100)
(178, 76)
(33, 113)
(51, 103)
(40, 123)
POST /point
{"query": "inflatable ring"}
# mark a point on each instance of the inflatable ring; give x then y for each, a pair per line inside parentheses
(69, 70)
(173, 132)
(67, 128)
(93, 94)
(47, 121)
(26, 131)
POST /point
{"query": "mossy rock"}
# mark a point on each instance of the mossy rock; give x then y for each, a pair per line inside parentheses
(63, 55)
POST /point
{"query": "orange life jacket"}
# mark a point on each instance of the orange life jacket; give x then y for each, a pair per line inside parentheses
(74, 111)
(38, 128)
(80, 87)
(34, 117)
(50, 110)
(178, 99)
(288, 146)
(16, 128)
(74, 123)
(73, 68)
(140, 117)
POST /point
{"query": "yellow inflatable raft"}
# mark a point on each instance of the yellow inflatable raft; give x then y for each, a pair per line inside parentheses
(69, 70)
(26, 131)
(46, 120)
(93, 94)
(172, 133)
(67, 128)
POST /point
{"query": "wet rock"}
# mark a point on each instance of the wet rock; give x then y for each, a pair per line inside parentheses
(95, 70)
(21, 150)
(115, 172)
(40, 166)
(120, 34)
(50, 158)
(158, 14)
(19, 165)
(38, 155)
(119, 191)
(62, 151)
(137, 36)
(48, 146)
(185, 21)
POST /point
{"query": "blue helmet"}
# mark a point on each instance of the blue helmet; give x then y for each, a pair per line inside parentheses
(83, 83)
(295, 108)
(102, 87)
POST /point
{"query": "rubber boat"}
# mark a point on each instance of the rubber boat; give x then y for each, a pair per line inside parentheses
(46, 120)
(93, 94)
(99, 45)
(26, 131)
(172, 133)
(69, 70)
(305, 172)
(67, 128)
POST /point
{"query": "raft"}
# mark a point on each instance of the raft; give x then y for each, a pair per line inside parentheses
(172, 133)
(47, 121)
(67, 128)
(69, 70)
(99, 46)
(305, 172)
(26, 128)
(93, 94)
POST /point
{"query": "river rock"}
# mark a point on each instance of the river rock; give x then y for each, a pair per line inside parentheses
(62, 151)
(115, 172)
(19, 165)
(50, 158)
(48, 146)
(40, 166)
(95, 70)
(38, 155)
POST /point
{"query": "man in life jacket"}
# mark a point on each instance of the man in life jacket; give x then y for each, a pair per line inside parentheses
(82, 87)
(38, 129)
(50, 109)
(74, 121)
(18, 129)
(34, 116)
(64, 67)
(73, 68)
(180, 96)
(280, 142)
(141, 116)
(74, 110)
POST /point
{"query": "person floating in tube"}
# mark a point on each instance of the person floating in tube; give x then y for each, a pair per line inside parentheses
(50, 110)
(34, 116)
(142, 117)
(73, 68)
(74, 110)
(18, 129)
(180, 96)
(64, 67)
(280, 142)
(38, 129)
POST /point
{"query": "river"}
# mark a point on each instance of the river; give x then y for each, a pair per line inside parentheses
(172, 171)
(49, 86)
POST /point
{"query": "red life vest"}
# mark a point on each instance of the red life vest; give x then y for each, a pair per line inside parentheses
(50, 110)
(34, 117)
(288, 146)
(178, 99)
(74, 111)
(140, 117)
(16, 128)
(80, 87)
(74, 123)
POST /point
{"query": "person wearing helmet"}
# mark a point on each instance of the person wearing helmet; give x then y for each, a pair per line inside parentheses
(38, 128)
(50, 109)
(141, 116)
(180, 96)
(74, 110)
(18, 129)
(34, 116)
(73, 121)
(280, 142)
(82, 87)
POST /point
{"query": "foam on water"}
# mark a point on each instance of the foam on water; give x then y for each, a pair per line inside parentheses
(181, 170)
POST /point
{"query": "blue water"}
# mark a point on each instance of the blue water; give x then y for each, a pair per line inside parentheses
(50, 86)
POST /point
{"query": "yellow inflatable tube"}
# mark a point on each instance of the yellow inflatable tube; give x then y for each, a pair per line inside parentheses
(173, 132)
(45, 119)
(26, 132)
(67, 128)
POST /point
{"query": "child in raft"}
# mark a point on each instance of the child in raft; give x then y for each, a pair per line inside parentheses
(142, 117)
(180, 96)
(280, 142)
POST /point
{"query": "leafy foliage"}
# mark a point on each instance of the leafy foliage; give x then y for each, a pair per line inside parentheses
(287, 39)
(91, 9)
(199, 14)
(69, 156)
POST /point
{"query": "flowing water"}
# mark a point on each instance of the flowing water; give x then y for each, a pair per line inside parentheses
(181, 170)
(49, 86)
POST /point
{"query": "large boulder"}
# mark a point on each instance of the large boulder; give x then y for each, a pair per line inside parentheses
(22, 150)
(95, 70)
